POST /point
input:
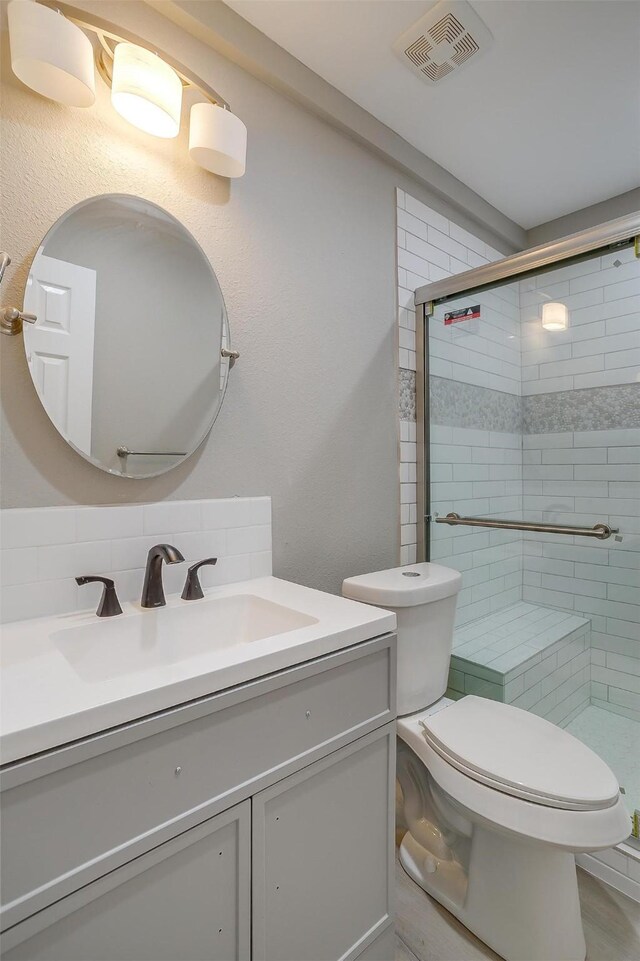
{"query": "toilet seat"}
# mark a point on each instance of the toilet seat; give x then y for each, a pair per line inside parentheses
(498, 804)
(521, 754)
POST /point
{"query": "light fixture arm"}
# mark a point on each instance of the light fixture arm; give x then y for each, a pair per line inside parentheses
(107, 31)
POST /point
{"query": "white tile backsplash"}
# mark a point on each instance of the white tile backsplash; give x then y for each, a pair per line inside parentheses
(17, 565)
(172, 516)
(33, 527)
(42, 550)
(38, 599)
(99, 523)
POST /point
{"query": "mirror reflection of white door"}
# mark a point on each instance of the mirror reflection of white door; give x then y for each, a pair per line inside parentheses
(59, 345)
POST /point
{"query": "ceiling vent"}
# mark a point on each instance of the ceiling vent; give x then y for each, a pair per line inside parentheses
(450, 36)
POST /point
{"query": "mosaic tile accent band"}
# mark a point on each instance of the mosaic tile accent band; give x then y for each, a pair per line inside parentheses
(407, 399)
(593, 408)
(454, 404)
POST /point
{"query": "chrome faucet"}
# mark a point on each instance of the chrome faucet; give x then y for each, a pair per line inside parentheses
(153, 591)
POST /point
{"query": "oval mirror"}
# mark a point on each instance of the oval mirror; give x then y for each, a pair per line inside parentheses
(125, 353)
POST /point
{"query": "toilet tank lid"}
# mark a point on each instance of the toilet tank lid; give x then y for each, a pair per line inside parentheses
(404, 586)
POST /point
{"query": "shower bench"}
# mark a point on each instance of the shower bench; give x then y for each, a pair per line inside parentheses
(537, 658)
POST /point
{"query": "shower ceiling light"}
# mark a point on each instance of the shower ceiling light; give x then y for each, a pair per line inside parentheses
(555, 316)
(51, 54)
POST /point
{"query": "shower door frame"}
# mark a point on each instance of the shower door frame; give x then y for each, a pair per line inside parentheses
(613, 235)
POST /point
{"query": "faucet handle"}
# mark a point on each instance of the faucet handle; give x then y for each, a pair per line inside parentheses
(192, 589)
(109, 604)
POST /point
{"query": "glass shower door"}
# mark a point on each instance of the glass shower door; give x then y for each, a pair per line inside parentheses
(534, 418)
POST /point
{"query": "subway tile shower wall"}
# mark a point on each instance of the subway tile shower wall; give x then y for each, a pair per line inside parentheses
(584, 477)
(581, 439)
(42, 550)
(601, 347)
(528, 422)
(478, 472)
(429, 248)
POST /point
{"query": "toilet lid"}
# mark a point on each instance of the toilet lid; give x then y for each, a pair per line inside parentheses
(520, 754)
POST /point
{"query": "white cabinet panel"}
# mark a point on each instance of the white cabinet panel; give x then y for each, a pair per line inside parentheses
(323, 855)
(187, 899)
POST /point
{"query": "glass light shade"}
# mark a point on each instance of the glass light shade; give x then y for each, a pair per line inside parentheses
(50, 54)
(217, 140)
(555, 316)
(146, 91)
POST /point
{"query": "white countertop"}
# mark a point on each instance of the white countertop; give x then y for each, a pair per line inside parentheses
(46, 702)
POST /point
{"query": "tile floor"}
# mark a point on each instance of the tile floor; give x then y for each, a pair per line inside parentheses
(617, 740)
(425, 931)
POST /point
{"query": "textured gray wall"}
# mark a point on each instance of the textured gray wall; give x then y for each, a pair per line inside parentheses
(304, 249)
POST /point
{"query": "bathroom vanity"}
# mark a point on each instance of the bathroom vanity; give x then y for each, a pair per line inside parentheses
(237, 803)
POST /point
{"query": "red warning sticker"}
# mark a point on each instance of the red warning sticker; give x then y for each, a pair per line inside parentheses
(457, 316)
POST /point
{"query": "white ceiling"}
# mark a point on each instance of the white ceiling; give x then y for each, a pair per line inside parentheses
(545, 123)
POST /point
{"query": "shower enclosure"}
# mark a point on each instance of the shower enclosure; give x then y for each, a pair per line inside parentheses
(529, 468)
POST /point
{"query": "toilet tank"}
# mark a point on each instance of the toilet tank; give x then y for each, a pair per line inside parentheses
(423, 598)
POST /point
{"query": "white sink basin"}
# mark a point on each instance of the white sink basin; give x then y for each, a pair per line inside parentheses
(68, 676)
(123, 645)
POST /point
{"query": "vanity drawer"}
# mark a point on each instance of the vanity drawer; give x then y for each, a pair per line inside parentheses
(70, 816)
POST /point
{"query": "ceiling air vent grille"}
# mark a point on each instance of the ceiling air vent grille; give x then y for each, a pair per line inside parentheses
(464, 49)
(436, 71)
(448, 37)
(446, 30)
(419, 51)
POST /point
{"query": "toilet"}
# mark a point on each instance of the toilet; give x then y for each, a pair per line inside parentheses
(496, 801)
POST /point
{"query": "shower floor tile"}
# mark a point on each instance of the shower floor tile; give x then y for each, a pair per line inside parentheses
(617, 740)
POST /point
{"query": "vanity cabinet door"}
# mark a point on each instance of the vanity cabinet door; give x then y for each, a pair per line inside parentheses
(189, 898)
(323, 856)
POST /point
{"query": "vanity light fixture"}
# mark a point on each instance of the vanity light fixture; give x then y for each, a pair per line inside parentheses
(51, 53)
(555, 316)
(217, 140)
(146, 91)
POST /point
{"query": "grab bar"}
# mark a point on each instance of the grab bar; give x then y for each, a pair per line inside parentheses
(125, 452)
(601, 531)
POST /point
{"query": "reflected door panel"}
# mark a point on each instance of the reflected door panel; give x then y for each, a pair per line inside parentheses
(60, 352)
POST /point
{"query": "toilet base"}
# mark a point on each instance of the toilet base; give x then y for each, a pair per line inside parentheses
(520, 898)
